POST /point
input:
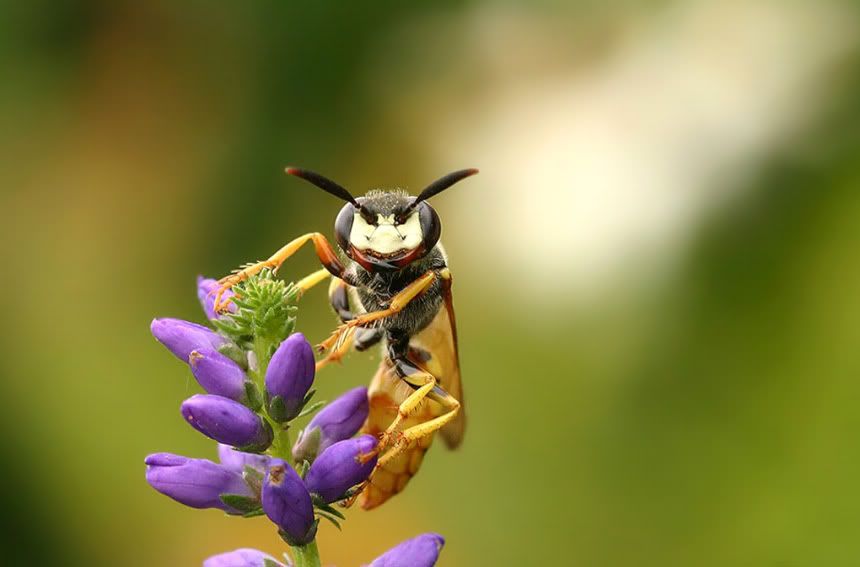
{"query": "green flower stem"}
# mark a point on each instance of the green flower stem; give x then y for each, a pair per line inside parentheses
(282, 445)
(307, 555)
(262, 350)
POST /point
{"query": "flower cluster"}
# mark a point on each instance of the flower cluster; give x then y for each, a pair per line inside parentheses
(257, 374)
(421, 551)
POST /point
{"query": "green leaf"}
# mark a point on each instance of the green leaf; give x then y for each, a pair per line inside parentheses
(253, 397)
(319, 504)
(330, 519)
(240, 502)
(308, 397)
(277, 409)
(234, 353)
(241, 303)
(254, 513)
(307, 410)
(312, 532)
(309, 446)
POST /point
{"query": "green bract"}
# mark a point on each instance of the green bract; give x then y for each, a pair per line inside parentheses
(265, 312)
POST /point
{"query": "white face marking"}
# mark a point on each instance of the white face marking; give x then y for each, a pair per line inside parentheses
(387, 237)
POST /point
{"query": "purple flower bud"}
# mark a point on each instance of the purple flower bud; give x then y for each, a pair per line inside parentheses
(237, 460)
(197, 483)
(218, 374)
(245, 557)
(339, 420)
(207, 289)
(337, 469)
(182, 337)
(227, 422)
(287, 503)
(420, 551)
(289, 377)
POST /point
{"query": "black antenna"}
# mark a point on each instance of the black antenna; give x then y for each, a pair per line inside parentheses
(323, 183)
(440, 185)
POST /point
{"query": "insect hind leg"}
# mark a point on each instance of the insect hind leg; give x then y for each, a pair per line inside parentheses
(423, 382)
(410, 436)
(417, 432)
(405, 361)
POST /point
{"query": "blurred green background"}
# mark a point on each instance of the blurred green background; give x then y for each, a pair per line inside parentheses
(656, 272)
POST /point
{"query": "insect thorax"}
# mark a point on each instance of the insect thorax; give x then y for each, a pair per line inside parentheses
(376, 289)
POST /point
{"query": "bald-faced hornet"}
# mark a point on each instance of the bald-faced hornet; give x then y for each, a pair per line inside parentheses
(394, 287)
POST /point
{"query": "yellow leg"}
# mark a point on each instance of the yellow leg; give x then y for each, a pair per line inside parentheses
(412, 434)
(398, 302)
(416, 432)
(409, 404)
(311, 280)
(324, 251)
(406, 407)
(337, 354)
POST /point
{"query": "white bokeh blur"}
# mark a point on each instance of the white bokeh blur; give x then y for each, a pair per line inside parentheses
(601, 168)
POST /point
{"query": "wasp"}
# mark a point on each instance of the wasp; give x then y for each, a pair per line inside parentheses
(390, 285)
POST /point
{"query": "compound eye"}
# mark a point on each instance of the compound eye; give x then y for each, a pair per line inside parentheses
(368, 217)
(343, 226)
(431, 226)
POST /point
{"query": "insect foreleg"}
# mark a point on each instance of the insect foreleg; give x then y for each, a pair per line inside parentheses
(363, 339)
(339, 351)
(311, 280)
(324, 251)
(338, 296)
(398, 302)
